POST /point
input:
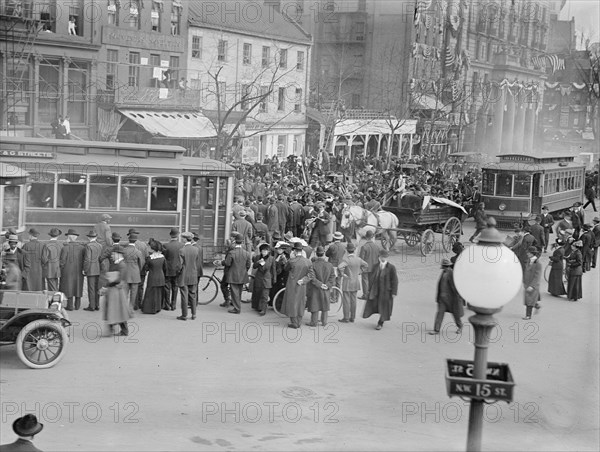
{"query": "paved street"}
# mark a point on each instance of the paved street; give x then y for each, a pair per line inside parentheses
(248, 383)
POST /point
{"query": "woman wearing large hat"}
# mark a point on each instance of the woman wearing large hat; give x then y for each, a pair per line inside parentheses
(264, 278)
(556, 286)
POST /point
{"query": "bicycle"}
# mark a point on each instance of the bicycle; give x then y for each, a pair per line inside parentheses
(548, 269)
(278, 299)
(208, 286)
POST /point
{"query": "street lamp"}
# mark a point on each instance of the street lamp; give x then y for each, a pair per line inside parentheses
(487, 275)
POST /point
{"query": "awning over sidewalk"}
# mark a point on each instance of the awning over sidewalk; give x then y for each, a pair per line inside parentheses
(172, 124)
(427, 102)
(355, 127)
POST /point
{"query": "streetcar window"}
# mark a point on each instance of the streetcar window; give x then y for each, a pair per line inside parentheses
(103, 191)
(163, 195)
(522, 185)
(487, 185)
(11, 206)
(504, 185)
(41, 191)
(72, 189)
(134, 192)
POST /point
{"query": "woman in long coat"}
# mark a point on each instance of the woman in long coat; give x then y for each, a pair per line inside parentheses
(531, 282)
(383, 287)
(556, 286)
(116, 302)
(575, 263)
(447, 299)
(294, 299)
(156, 266)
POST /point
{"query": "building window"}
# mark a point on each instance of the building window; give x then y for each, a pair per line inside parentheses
(19, 95)
(359, 31)
(72, 189)
(133, 20)
(176, 19)
(48, 104)
(112, 57)
(247, 58)
(283, 58)
(156, 16)
(134, 69)
(75, 22)
(355, 100)
(197, 47)
(174, 70)
(103, 192)
(266, 56)
(298, 103)
(112, 13)
(281, 99)
(245, 95)
(222, 50)
(77, 101)
(264, 99)
(163, 195)
(300, 61)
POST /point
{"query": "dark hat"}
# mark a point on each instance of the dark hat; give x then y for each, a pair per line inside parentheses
(457, 247)
(446, 262)
(133, 231)
(264, 246)
(369, 234)
(259, 216)
(276, 235)
(116, 236)
(350, 247)
(174, 232)
(132, 235)
(384, 253)
(34, 232)
(196, 236)
(320, 251)
(27, 425)
(239, 239)
(577, 204)
(54, 232)
(298, 246)
(587, 226)
(544, 207)
(71, 232)
(92, 233)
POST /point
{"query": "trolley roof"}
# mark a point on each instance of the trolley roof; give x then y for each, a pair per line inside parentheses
(533, 163)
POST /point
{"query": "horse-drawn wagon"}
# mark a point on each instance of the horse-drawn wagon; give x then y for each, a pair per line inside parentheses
(420, 217)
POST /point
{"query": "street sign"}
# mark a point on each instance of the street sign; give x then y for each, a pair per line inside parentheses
(498, 385)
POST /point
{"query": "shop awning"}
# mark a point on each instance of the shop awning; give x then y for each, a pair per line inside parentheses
(427, 102)
(355, 127)
(172, 124)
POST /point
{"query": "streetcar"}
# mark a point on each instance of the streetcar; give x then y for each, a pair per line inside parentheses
(149, 187)
(521, 184)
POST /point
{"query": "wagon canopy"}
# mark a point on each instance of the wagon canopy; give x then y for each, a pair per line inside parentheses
(432, 199)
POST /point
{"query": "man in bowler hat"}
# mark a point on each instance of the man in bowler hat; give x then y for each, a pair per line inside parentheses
(32, 252)
(103, 230)
(91, 268)
(71, 269)
(25, 428)
(238, 262)
(171, 253)
(188, 276)
(51, 260)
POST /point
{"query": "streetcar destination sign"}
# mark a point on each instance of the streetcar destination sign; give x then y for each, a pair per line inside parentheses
(498, 384)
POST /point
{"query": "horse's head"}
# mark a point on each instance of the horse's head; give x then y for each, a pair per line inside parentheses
(346, 218)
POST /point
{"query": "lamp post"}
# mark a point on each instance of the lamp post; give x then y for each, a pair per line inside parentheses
(487, 275)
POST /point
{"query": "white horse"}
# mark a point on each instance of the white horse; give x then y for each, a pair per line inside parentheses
(364, 220)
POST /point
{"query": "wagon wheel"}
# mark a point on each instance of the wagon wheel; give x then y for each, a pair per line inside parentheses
(427, 240)
(412, 238)
(451, 233)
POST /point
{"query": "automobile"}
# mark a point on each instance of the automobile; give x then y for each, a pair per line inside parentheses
(37, 325)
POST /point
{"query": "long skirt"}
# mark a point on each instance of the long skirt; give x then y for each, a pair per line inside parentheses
(574, 290)
(556, 285)
(153, 299)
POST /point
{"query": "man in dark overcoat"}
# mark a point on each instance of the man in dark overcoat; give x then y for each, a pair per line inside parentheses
(264, 278)
(282, 213)
(322, 279)
(71, 269)
(103, 231)
(537, 231)
(91, 268)
(144, 249)
(369, 253)
(134, 263)
(17, 256)
(188, 276)
(546, 221)
(350, 270)
(447, 299)
(273, 216)
(383, 287)
(33, 273)
(173, 267)
(237, 262)
(596, 245)
(51, 260)
(294, 299)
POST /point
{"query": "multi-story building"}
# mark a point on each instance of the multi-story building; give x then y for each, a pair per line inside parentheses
(250, 65)
(48, 52)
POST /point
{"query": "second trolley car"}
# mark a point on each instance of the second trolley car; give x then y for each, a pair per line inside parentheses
(520, 184)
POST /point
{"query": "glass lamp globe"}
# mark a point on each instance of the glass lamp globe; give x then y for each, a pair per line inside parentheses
(488, 275)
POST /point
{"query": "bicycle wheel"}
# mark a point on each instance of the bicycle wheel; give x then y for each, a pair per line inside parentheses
(207, 290)
(336, 308)
(277, 300)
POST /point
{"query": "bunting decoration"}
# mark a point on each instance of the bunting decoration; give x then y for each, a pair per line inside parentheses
(450, 56)
(574, 85)
(420, 7)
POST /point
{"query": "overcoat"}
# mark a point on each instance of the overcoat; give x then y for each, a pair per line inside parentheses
(71, 269)
(116, 302)
(383, 286)
(294, 300)
(91, 260)
(351, 267)
(171, 253)
(238, 263)
(33, 272)
(134, 264)
(51, 258)
(369, 252)
(531, 282)
(322, 272)
(448, 298)
(555, 280)
(189, 261)
(266, 274)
